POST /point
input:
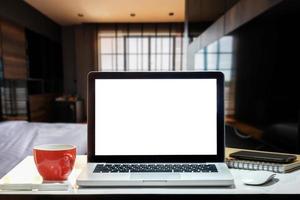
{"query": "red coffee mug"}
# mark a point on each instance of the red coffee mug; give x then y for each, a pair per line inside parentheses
(54, 161)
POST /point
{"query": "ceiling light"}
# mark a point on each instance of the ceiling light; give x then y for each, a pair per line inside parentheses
(132, 14)
(80, 15)
(171, 14)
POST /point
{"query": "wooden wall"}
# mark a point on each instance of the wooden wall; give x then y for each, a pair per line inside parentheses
(16, 16)
(13, 51)
(32, 74)
(14, 71)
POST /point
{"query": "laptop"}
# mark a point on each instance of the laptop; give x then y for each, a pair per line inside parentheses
(155, 129)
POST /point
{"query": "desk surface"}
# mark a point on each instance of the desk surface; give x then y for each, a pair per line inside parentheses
(283, 184)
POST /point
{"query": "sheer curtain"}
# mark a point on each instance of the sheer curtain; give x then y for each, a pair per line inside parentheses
(140, 47)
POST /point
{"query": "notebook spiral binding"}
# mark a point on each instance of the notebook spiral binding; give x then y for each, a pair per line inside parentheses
(254, 165)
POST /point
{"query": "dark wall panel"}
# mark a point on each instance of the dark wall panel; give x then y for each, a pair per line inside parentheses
(68, 49)
(23, 14)
(45, 64)
(267, 62)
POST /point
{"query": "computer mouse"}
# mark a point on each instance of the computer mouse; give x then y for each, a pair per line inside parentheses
(257, 177)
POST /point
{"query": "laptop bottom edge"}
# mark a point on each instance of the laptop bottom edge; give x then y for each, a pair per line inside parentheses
(221, 178)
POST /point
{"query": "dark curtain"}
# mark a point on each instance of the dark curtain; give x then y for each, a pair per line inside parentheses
(85, 57)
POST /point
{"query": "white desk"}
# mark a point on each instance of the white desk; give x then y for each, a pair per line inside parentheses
(286, 184)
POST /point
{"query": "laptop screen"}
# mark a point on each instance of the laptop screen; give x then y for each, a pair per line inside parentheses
(155, 117)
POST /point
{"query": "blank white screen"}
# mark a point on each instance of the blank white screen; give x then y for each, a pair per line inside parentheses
(155, 117)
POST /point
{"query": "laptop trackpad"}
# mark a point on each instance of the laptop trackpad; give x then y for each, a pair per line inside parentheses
(154, 176)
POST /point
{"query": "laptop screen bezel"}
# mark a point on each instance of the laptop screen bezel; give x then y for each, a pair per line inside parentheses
(219, 157)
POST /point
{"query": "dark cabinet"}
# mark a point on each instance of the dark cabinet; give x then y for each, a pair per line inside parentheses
(68, 111)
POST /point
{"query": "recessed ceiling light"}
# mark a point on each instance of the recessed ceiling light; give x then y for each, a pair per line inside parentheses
(80, 15)
(171, 14)
(132, 14)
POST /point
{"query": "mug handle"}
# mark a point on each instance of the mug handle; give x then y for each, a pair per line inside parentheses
(69, 157)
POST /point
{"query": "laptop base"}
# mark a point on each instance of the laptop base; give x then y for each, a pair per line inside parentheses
(89, 179)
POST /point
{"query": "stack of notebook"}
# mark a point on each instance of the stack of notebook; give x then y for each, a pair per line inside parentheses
(254, 165)
(25, 177)
(43, 186)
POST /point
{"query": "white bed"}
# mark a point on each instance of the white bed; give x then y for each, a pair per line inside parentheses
(18, 137)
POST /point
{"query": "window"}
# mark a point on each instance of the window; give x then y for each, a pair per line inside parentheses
(13, 97)
(144, 47)
(216, 56)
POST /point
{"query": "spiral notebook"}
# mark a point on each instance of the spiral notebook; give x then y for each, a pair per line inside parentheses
(265, 166)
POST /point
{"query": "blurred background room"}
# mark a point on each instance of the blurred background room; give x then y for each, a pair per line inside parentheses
(48, 47)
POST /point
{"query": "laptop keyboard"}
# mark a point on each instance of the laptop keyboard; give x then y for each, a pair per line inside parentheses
(125, 168)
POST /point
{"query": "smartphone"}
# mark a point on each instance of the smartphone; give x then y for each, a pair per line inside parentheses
(263, 157)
